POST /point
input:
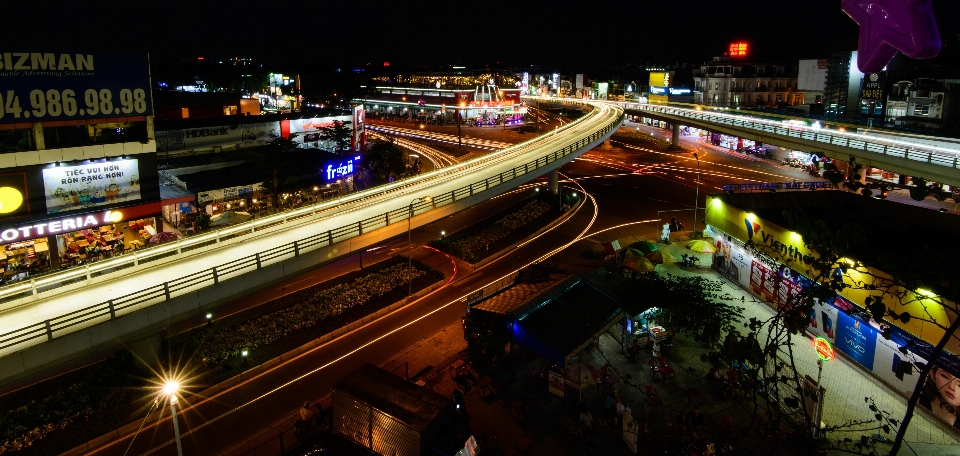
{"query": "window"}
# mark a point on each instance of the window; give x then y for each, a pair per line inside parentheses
(736, 100)
(92, 134)
(229, 110)
(921, 110)
(184, 113)
(17, 140)
(716, 86)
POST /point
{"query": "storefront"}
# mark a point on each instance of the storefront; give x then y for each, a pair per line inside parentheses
(770, 261)
(43, 205)
(64, 241)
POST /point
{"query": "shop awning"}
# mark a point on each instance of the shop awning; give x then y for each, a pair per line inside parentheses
(170, 195)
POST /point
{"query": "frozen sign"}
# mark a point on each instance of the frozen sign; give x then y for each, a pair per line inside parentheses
(69, 188)
(340, 170)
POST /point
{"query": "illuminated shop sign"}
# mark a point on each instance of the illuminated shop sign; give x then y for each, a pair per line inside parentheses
(661, 90)
(340, 170)
(13, 195)
(63, 225)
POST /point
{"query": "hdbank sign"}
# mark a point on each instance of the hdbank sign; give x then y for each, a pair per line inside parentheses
(340, 170)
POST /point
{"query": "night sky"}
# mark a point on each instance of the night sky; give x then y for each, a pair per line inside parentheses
(439, 32)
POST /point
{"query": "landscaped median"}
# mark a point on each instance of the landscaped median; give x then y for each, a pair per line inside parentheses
(63, 413)
(488, 238)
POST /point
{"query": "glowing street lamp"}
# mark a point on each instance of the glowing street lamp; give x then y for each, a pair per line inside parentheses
(170, 389)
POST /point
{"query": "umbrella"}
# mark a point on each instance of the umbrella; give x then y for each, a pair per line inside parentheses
(639, 264)
(229, 218)
(660, 257)
(645, 246)
(163, 236)
(701, 247)
(580, 375)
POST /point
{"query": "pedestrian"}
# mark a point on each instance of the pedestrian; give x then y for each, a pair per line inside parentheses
(586, 424)
(696, 420)
(306, 412)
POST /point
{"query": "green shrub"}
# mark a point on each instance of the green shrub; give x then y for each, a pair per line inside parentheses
(229, 342)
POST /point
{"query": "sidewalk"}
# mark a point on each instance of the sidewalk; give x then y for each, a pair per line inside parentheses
(846, 383)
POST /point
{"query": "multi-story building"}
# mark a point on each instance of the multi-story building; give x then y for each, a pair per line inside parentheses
(731, 82)
(78, 157)
(812, 81)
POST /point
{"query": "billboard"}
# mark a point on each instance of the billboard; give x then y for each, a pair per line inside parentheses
(69, 188)
(314, 124)
(858, 340)
(358, 139)
(48, 86)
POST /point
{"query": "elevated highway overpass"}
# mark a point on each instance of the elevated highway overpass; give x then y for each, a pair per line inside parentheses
(64, 316)
(904, 155)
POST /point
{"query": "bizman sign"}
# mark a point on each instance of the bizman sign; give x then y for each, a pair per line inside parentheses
(22, 61)
(60, 226)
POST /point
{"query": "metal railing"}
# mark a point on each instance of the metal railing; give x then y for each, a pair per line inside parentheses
(111, 309)
(939, 156)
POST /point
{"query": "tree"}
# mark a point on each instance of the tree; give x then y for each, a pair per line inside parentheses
(900, 285)
(276, 155)
(339, 134)
(693, 305)
(386, 159)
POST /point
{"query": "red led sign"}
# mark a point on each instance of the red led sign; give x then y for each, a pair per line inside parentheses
(738, 49)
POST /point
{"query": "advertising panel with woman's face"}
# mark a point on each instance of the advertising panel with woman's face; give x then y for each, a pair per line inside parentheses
(941, 395)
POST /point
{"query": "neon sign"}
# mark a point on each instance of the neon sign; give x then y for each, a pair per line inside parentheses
(738, 49)
(341, 170)
(823, 348)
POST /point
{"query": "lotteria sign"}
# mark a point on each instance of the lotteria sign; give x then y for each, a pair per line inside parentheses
(340, 170)
(77, 222)
(63, 225)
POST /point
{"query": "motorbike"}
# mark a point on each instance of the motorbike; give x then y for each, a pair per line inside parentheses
(304, 429)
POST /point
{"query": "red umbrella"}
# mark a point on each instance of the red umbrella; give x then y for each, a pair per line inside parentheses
(165, 236)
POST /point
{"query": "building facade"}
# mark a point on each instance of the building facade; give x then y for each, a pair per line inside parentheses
(728, 82)
(77, 158)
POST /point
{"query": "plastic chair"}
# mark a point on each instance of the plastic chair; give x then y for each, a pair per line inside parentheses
(652, 400)
(693, 393)
(665, 369)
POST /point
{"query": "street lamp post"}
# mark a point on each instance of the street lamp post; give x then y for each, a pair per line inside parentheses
(425, 199)
(696, 199)
(170, 390)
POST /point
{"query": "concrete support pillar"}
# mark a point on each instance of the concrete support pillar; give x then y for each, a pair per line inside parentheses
(554, 181)
(38, 136)
(675, 140)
